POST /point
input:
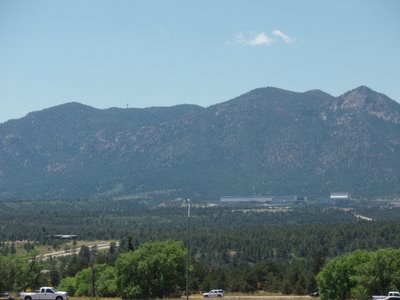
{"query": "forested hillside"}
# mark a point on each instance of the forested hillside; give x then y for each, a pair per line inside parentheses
(265, 142)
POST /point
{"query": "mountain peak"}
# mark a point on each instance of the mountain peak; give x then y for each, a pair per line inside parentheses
(62, 108)
(358, 94)
(364, 89)
(72, 105)
(365, 99)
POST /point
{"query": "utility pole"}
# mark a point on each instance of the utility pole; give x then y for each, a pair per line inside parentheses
(93, 252)
(188, 250)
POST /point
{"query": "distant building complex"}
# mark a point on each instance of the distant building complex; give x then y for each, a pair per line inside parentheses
(262, 199)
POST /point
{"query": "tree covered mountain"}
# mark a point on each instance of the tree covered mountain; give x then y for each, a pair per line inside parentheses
(268, 141)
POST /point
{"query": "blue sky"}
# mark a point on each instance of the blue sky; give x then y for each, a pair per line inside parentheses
(162, 53)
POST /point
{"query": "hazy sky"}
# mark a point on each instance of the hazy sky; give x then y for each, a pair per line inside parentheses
(161, 53)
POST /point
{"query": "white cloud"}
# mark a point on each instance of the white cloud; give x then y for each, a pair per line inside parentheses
(253, 39)
(287, 39)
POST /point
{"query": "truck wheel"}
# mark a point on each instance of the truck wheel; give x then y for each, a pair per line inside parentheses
(59, 298)
(28, 298)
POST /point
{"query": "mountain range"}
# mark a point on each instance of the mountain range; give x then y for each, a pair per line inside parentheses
(268, 141)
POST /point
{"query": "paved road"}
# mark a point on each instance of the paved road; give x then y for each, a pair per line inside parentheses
(103, 246)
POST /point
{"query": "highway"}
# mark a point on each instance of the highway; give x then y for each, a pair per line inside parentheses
(100, 247)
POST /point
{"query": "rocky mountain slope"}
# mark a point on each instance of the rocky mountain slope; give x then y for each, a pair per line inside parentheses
(265, 142)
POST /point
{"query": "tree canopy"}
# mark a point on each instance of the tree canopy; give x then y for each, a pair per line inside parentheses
(360, 274)
(153, 270)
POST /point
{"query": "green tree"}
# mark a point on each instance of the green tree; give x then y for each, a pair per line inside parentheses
(18, 272)
(106, 283)
(30, 275)
(7, 271)
(153, 270)
(338, 277)
(68, 284)
(381, 273)
(294, 280)
(81, 283)
(360, 274)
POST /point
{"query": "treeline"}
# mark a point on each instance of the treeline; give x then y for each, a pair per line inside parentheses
(157, 270)
(237, 248)
(152, 270)
(112, 219)
(214, 266)
(220, 236)
(285, 243)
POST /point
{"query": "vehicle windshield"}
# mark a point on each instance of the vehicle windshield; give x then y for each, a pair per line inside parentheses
(54, 290)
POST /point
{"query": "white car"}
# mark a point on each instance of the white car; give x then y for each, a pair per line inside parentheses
(214, 294)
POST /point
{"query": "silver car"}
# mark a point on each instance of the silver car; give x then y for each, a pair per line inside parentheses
(214, 294)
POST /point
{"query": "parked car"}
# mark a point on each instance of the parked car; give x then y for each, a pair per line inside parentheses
(394, 294)
(214, 294)
(5, 296)
(314, 294)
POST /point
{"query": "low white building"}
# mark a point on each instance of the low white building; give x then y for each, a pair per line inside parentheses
(340, 196)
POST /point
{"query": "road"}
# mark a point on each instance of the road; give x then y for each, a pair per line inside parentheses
(102, 246)
(256, 297)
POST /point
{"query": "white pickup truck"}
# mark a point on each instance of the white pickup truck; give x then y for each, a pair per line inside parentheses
(45, 293)
(394, 294)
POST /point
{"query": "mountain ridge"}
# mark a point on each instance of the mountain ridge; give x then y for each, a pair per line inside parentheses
(263, 142)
